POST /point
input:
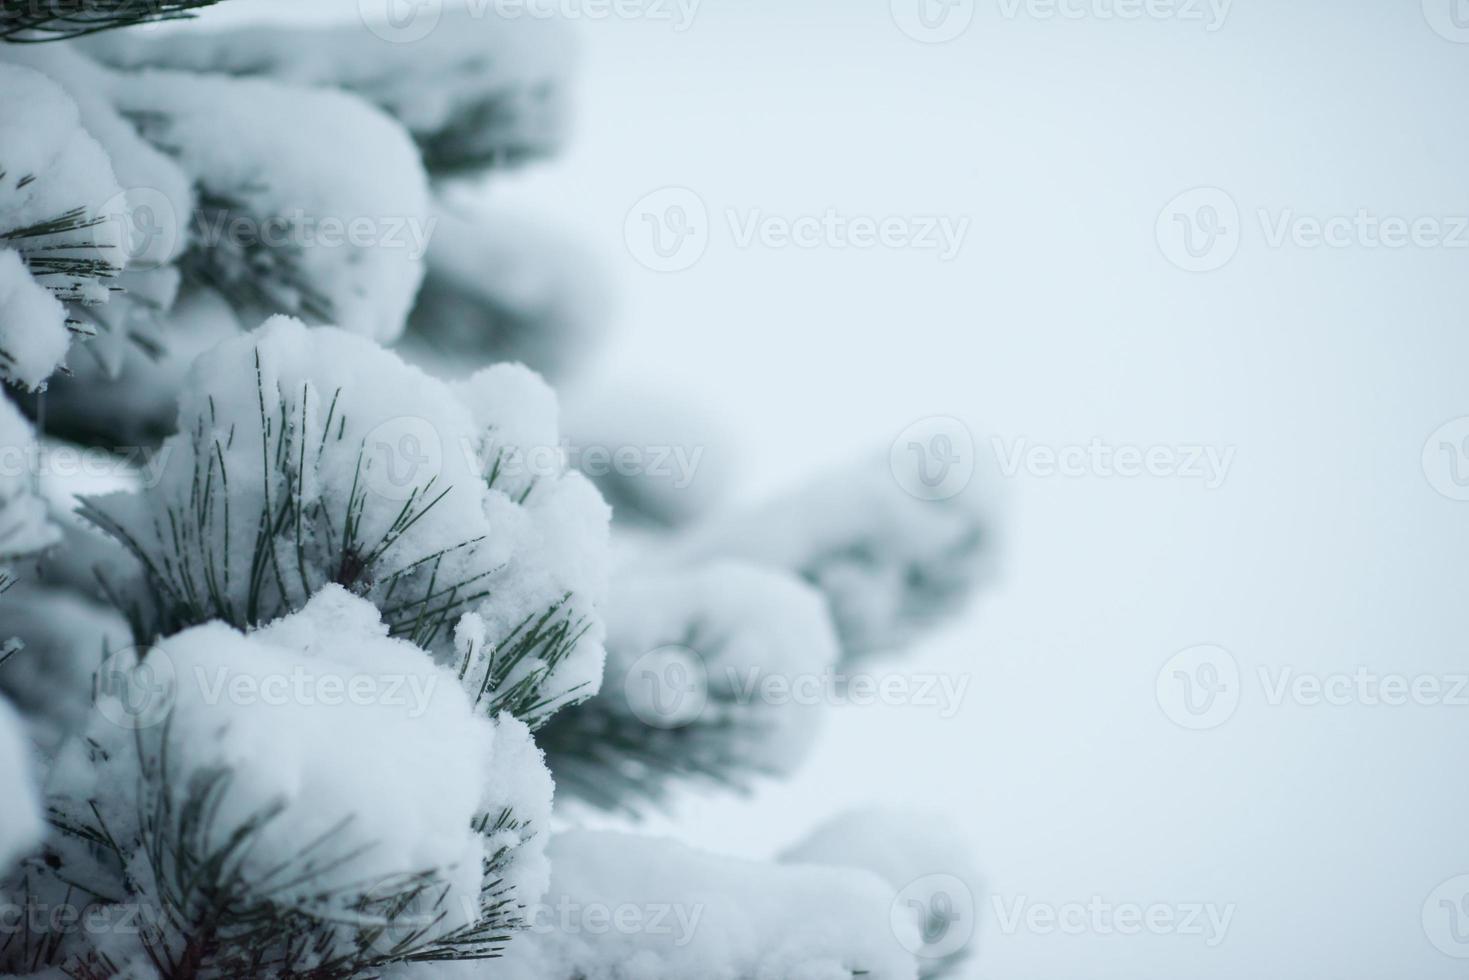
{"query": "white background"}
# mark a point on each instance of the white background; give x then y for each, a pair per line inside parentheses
(1326, 548)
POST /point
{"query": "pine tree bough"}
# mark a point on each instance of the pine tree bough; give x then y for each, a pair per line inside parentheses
(478, 91)
(61, 225)
(691, 656)
(500, 288)
(891, 565)
(48, 20)
(323, 834)
(291, 223)
(313, 457)
(26, 528)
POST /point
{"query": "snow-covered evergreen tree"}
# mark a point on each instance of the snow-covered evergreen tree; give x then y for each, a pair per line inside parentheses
(288, 694)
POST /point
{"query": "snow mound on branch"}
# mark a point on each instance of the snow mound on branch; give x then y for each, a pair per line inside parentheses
(891, 565)
(623, 907)
(500, 286)
(476, 90)
(312, 202)
(61, 223)
(373, 756)
(25, 525)
(21, 823)
(434, 502)
(713, 673)
(925, 861)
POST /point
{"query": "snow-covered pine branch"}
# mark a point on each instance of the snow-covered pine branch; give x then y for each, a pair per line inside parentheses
(61, 225)
(478, 91)
(692, 655)
(716, 917)
(309, 457)
(925, 864)
(499, 287)
(21, 822)
(156, 201)
(48, 20)
(323, 218)
(248, 834)
(26, 528)
(892, 565)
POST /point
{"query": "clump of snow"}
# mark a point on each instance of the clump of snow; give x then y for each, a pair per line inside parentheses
(623, 907)
(432, 501)
(61, 223)
(21, 822)
(370, 758)
(500, 287)
(658, 459)
(890, 563)
(25, 525)
(924, 860)
(311, 201)
(63, 639)
(475, 89)
(714, 672)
